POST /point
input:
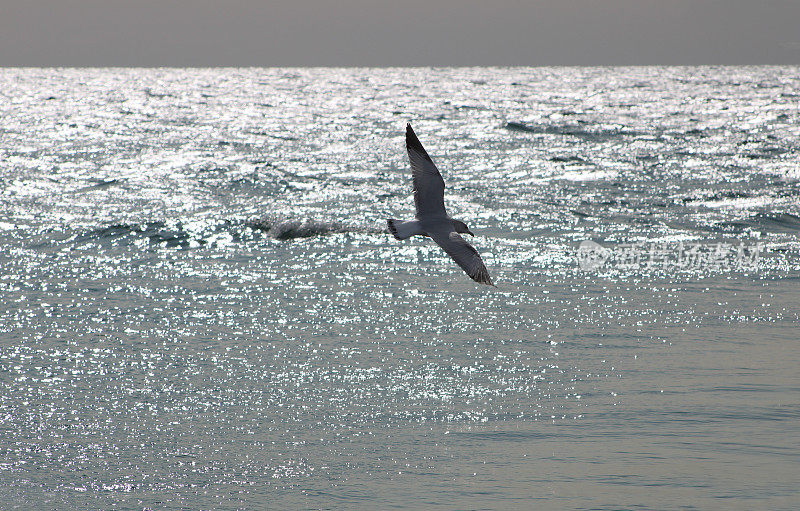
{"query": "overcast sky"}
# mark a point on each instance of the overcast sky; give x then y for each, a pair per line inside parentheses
(398, 33)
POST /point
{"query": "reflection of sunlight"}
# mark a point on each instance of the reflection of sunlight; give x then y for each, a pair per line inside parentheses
(201, 298)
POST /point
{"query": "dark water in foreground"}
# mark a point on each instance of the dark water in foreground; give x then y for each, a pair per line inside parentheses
(200, 308)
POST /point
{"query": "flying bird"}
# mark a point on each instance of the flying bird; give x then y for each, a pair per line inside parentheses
(432, 219)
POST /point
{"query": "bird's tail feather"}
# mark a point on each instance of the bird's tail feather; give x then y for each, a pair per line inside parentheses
(404, 230)
(393, 228)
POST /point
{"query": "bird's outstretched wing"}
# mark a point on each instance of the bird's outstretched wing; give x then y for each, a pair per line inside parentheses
(463, 253)
(428, 182)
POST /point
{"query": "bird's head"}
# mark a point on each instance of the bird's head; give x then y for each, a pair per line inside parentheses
(461, 227)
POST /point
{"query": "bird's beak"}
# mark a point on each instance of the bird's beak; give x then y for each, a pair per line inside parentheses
(470, 233)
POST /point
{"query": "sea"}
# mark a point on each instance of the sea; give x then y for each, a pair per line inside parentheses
(201, 307)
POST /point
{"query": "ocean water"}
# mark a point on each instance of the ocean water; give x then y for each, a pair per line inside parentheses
(201, 309)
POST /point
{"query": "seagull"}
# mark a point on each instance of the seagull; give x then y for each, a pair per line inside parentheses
(432, 219)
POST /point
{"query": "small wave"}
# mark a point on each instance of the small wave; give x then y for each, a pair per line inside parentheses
(781, 222)
(734, 200)
(287, 229)
(571, 130)
(695, 132)
(765, 153)
(99, 185)
(567, 159)
(296, 228)
(518, 126)
(716, 196)
(158, 95)
(171, 235)
(585, 175)
(198, 233)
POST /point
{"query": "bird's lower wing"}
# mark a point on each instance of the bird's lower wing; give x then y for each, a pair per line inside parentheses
(462, 253)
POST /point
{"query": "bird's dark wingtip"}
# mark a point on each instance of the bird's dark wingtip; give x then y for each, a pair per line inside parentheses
(482, 277)
(410, 135)
(413, 143)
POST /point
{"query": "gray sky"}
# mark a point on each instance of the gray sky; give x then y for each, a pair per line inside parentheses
(397, 33)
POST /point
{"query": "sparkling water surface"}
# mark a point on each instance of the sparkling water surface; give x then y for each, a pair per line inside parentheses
(201, 308)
